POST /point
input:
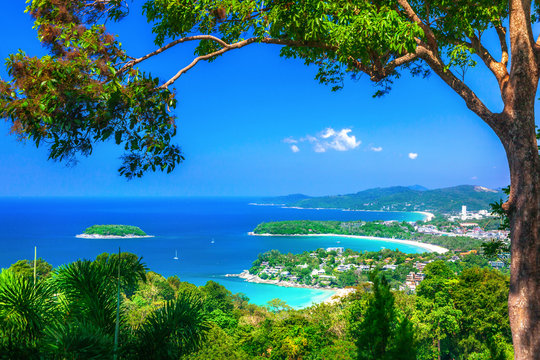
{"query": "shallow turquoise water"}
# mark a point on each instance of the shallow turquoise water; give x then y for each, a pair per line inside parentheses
(260, 294)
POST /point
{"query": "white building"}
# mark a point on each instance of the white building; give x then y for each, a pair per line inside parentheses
(338, 250)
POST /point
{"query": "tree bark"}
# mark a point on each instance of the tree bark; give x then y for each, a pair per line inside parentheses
(518, 135)
(523, 208)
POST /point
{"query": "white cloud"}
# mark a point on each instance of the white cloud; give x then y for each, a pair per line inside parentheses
(319, 148)
(376, 148)
(474, 178)
(295, 148)
(341, 140)
(309, 138)
(328, 133)
(329, 139)
(290, 140)
(413, 156)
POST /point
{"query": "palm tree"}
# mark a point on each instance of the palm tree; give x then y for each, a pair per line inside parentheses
(87, 295)
(176, 329)
(25, 311)
(89, 288)
(72, 315)
(77, 341)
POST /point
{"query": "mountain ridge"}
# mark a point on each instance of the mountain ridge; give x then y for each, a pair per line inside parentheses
(401, 198)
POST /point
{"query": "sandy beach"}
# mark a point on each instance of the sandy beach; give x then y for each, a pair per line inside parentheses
(429, 216)
(429, 247)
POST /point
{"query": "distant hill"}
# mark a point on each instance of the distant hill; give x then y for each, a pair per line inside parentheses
(285, 200)
(401, 198)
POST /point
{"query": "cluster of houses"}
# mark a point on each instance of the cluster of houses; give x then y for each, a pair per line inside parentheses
(465, 229)
(280, 272)
(467, 226)
(414, 279)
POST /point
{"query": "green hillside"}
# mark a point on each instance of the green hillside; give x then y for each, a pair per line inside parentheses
(114, 230)
(400, 198)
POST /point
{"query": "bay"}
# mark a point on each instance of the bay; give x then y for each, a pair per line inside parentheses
(209, 234)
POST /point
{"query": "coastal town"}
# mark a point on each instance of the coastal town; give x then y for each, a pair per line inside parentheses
(467, 223)
(338, 268)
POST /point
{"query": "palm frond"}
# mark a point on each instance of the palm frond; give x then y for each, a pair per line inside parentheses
(25, 309)
(90, 295)
(78, 340)
(176, 329)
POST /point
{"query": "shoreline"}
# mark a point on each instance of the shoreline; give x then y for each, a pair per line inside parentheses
(432, 248)
(338, 293)
(428, 215)
(96, 236)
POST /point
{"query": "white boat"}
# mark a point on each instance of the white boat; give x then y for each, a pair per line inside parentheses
(176, 255)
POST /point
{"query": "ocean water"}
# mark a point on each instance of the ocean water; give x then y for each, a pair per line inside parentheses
(209, 234)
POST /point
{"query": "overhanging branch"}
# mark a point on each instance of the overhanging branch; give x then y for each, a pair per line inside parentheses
(238, 45)
(170, 45)
(471, 99)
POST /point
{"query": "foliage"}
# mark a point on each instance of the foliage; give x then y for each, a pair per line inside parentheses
(375, 326)
(25, 268)
(77, 340)
(450, 307)
(277, 305)
(71, 314)
(114, 230)
(25, 311)
(78, 94)
(176, 329)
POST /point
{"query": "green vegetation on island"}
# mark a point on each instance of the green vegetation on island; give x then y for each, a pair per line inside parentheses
(401, 198)
(382, 229)
(455, 313)
(114, 230)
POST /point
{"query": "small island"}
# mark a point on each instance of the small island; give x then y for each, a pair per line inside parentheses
(113, 232)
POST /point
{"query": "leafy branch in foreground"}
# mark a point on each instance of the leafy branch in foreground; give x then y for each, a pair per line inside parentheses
(75, 96)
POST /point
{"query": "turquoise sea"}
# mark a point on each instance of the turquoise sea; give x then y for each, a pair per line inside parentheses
(210, 235)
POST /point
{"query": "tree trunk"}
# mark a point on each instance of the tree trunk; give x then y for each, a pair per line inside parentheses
(523, 210)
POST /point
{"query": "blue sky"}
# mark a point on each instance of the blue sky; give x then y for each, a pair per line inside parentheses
(252, 123)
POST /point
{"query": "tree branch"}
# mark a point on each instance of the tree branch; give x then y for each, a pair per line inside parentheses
(170, 45)
(241, 44)
(409, 12)
(497, 68)
(525, 58)
(501, 33)
(471, 99)
(228, 47)
(381, 73)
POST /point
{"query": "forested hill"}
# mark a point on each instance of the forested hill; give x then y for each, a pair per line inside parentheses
(401, 198)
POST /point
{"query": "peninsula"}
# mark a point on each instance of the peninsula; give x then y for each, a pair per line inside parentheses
(338, 268)
(113, 232)
(421, 234)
